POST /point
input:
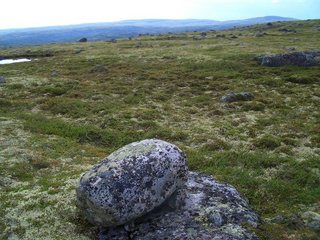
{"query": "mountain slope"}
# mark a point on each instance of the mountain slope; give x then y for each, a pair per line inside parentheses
(121, 29)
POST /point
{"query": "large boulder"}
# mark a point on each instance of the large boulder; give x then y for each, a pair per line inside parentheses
(303, 59)
(131, 182)
(83, 40)
(211, 211)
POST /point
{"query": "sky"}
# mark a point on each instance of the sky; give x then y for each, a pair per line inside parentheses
(35, 13)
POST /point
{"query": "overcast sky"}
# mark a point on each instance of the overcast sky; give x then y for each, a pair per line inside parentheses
(32, 13)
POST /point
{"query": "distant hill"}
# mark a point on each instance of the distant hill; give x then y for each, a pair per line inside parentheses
(121, 29)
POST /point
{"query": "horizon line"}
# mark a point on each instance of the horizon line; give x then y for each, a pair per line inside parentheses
(141, 19)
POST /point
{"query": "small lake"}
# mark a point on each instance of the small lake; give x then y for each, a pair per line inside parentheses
(10, 61)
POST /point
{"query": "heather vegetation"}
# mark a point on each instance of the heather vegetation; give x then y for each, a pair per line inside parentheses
(75, 103)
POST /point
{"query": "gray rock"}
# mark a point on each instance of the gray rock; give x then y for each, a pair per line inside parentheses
(131, 182)
(278, 219)
(113, 40)
(83, 40)
(211, 210)
(99, 68)
(236, 97)
(260, 34)
(311, 220)
(77, 51)
(198, 38)
(54, 73)
(285, 30)
(303, 59)
(2, 80)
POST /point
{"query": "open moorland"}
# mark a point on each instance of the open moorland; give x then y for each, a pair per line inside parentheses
(75, 103)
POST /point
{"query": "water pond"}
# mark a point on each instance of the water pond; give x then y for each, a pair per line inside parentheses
(10, 61)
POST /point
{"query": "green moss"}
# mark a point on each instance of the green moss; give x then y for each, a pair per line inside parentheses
(267, 142)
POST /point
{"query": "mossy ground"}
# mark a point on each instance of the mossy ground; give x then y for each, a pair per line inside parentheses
(60, 115)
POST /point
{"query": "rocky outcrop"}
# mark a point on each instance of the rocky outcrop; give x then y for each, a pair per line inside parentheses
(131, 182)
(303, 59)
(211, 210)
(143, 191)
(237, 97)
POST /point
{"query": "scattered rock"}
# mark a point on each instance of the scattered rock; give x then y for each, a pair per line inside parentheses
(287, 30)
(131, 182)
(2, 80)
(77, 51)
(198, 38)
(211, 210)
(294, 220)
(303, 59)
(113, 40)
(236, 97)
(203, 34)
(54, 73)
(209, 78)
(83, 40)
(311, 220)
(260, 34)
(99, 68)
(278, 219)
(291, 49)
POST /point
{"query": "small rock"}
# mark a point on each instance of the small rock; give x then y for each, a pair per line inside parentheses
(278, 219)
(287, 30)
(131, 182)
(295, 221)
(198, 38)
(209, 78)
(77, 51)
(260, 34)
(99, 68)
(236, 97)
(291, 49)
(203, 34)
(2, 80)
(311, 220)
(113, 40)
(303, 59)
(54, 73)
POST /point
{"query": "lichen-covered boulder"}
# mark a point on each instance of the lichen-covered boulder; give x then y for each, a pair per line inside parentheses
(211, 211)
(131, 182)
